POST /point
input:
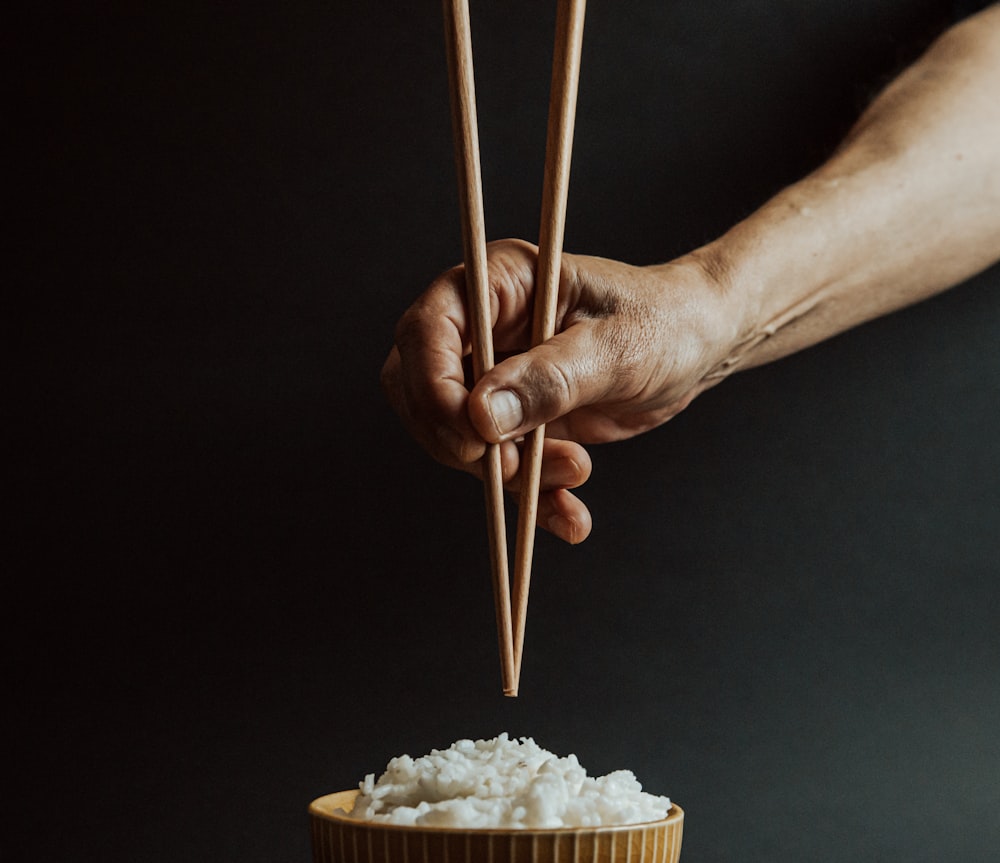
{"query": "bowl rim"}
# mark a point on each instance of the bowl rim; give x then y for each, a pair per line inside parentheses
(322, 808)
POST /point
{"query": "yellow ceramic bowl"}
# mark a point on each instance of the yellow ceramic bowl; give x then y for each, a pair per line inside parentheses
(336, 839)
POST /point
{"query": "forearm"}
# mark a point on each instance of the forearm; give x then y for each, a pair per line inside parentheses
(907, 207)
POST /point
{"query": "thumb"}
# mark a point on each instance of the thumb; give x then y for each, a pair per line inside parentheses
(536, 387)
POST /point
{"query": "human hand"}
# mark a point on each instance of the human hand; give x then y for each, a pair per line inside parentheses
(633, 347)
(906, 207)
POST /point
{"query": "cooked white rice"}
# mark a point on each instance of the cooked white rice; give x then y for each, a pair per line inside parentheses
(502, 783)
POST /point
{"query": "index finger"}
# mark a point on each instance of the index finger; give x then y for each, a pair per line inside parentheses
(424, 376)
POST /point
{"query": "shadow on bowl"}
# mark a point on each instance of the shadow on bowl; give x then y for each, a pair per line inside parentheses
(339, 839)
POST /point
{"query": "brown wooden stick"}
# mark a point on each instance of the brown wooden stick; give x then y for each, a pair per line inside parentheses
(558, 151)
(461, 84)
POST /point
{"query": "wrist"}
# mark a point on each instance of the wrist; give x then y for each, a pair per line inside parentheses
(788, 267)
(710, 305)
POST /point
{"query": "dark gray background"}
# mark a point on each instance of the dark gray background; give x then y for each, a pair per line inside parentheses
(238, 585)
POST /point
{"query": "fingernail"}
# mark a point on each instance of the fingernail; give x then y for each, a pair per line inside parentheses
(457, 446)
(563, 472)
(561, 527)
(506, 411)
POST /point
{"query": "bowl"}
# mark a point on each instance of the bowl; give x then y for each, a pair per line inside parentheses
(339, 839)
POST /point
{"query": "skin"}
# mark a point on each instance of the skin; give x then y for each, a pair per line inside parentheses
(907, 207)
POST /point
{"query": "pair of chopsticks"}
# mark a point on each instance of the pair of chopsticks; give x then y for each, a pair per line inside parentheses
(558, 151)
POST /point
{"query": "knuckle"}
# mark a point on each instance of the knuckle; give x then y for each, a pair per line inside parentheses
(549, 385)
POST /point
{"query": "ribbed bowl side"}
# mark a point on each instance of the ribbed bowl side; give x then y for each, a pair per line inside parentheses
(337, 840)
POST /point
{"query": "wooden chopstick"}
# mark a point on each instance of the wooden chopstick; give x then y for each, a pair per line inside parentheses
(555, 187)
(461, 84)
